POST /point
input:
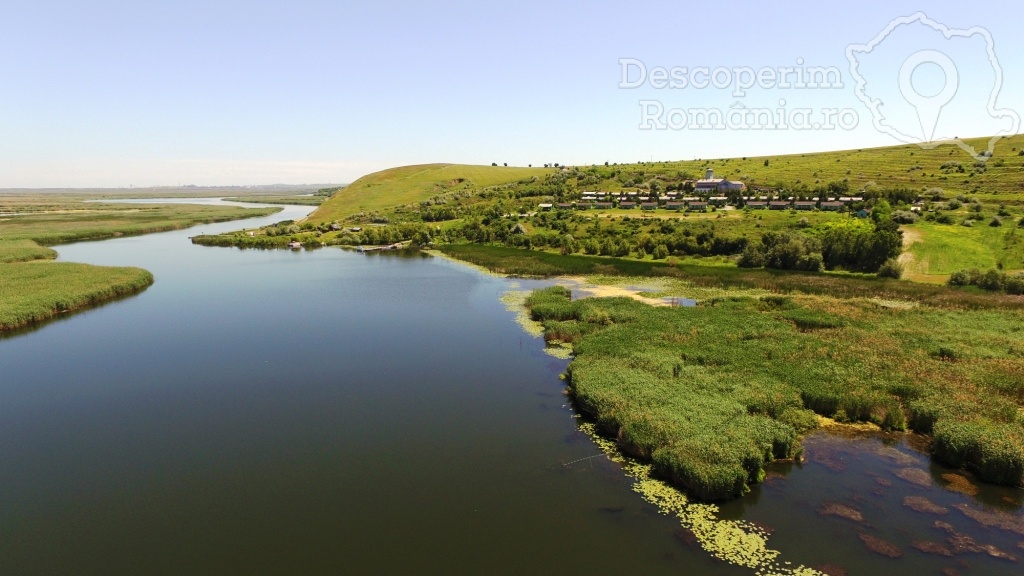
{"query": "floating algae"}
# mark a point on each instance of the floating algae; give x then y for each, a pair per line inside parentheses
(733, 541)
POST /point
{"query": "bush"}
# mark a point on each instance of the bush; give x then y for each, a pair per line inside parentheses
(1014, 284)
(995, 221)
(812, 262)
(959, 278)
(905, 217)
(891, 268)
(752, 257)
(991, 280)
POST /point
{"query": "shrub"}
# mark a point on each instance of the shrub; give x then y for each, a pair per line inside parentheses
(1014, 284)
(986, 447)
(995, 221)
(991, 280)
(811, 262)
(905, 217)
(891, 268)
(959, 278)
(752, 257)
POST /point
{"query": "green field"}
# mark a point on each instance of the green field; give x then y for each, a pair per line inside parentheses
(34, 291)
(941, 250)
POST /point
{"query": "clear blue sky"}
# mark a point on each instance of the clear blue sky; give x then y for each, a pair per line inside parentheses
(258, 92)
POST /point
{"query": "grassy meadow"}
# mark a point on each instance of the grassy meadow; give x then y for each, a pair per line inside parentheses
(32, 290)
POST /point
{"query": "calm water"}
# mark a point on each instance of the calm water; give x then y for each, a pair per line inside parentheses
(279, 412)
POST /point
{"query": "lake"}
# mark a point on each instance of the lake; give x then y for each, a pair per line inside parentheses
(325, 412)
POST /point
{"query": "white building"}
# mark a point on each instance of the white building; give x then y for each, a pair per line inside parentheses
(711, 185)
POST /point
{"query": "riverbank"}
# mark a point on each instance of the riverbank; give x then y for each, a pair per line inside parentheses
(33, 292)
(34, 289)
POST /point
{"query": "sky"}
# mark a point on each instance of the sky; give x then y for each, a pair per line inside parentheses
(119, 94)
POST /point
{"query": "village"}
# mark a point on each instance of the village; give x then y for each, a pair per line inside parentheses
(709, 193)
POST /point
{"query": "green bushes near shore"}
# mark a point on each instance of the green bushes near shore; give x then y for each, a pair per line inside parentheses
(709, 394)
(32, 292)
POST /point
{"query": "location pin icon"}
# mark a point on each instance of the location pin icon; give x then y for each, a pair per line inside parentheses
(928, 107)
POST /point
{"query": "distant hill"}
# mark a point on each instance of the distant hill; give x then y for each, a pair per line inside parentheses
(413, 184)
(1000, 179)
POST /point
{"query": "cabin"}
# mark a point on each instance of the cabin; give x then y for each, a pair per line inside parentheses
(697, 206)
(545, 207)
(603, 205)
(757, 205)
(862, 213)
(565, 205)
(648, 205)
(832, 206)
(778, 205)
(673, 205)
(804, 205)
(718, 200)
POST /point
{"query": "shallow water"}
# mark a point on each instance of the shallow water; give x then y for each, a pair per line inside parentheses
(280, 412)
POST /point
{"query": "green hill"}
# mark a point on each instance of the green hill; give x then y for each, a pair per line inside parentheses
(387, 189)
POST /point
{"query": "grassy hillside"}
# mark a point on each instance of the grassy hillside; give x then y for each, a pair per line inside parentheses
(946, 167)
(381, 191)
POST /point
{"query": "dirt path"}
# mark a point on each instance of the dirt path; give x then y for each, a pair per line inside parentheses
(909, 261)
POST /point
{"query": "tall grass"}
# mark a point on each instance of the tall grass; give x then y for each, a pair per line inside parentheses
(709, 394)
(23, 251)
(32, 292)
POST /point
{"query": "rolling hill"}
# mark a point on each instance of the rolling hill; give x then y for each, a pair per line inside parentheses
(413, 184)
